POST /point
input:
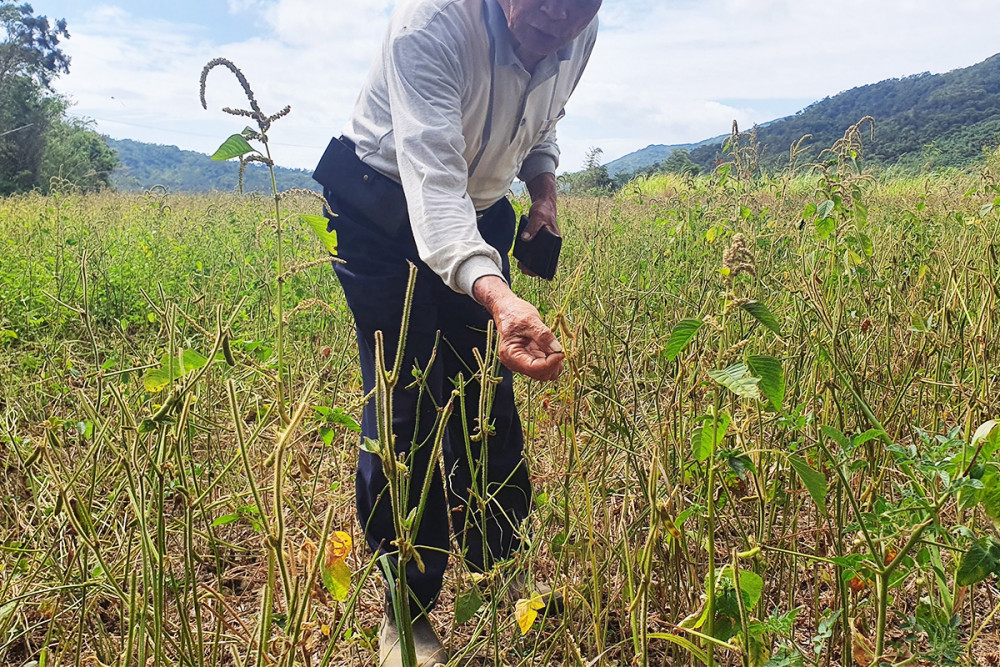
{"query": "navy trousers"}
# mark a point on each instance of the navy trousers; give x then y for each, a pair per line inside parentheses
(374, 280)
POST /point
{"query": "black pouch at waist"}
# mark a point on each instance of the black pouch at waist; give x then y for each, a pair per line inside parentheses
(363, 192)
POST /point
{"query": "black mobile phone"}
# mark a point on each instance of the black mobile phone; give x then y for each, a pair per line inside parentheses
(540, 255)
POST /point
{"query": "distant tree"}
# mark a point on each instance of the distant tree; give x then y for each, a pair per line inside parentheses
(37, 142)
(26, 114)
(593, 179)
(76, 154)
(593, 159)
(31, 45)
(595, 174)
(680, 162)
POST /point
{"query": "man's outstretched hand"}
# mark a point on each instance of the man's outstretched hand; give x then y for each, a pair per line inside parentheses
(527, 346)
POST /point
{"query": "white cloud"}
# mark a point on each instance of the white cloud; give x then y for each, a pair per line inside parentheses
(239, 6)
(139, 76)
(324, 24)
(665, 71)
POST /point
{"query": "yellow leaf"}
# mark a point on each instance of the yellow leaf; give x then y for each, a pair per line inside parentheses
(338, 546)
(526, 611)
(156, 381)
(325, 629)
(335, 572)
(672, 529)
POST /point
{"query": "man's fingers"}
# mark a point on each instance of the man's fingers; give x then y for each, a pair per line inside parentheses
(547, 341)
(546, 370)
(537, 368)
(526, 271)
(530, 230)
(528, 358)
(527, 346)
(542, 214)
(535, 224)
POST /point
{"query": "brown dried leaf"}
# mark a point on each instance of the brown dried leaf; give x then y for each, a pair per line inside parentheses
(862, 649)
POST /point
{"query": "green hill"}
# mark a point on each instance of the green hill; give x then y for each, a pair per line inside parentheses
(652, 154)
(921, 121)
(924, 121)
(142, 165)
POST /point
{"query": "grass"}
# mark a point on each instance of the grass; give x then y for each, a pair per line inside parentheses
(783, 458)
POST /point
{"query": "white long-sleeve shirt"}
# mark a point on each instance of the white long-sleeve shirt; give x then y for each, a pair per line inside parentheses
(449, 111)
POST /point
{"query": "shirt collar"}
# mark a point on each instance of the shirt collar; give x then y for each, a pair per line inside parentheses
(496, 24)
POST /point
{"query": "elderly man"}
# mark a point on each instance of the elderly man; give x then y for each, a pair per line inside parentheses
(463, 97)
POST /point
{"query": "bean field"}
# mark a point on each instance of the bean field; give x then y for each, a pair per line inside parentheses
(773, 444)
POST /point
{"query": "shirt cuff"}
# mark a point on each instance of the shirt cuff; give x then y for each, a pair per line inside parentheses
(473, 269)
(535, 165)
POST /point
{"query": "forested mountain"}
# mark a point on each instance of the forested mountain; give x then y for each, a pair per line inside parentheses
(651, 155)
(141, 166)
(922, 121)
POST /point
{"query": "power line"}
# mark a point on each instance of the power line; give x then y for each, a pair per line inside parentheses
(16, 129)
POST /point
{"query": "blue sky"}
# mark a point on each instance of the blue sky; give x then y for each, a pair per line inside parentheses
(214, 16)
(664, 71)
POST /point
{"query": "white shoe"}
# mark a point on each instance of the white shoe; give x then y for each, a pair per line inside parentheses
(427, 645)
